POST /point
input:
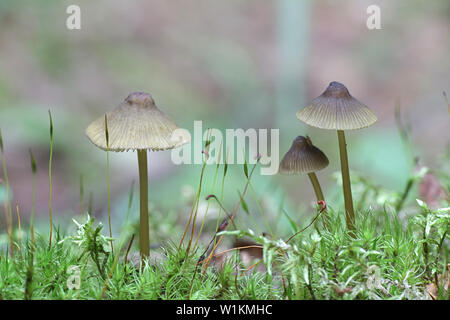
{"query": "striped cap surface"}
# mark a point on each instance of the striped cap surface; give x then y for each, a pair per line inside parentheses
(137, 124)
(336, 109)
(302, 157)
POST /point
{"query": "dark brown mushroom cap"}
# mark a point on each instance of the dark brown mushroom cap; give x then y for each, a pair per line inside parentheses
(336, 109)
(137, 124)
(303, 157)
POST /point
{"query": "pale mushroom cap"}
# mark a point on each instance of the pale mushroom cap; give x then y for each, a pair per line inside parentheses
(303, 157)
(137, 123)
(336, 109)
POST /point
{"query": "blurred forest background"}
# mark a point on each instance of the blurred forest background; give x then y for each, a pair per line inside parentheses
(233, 64)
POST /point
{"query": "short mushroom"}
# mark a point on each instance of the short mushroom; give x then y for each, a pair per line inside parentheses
(304, 158)
(138, 124)
(336, 109)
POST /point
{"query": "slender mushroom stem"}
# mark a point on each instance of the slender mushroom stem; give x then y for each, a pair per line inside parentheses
(349, 212)
(144, 233)
(319, 195)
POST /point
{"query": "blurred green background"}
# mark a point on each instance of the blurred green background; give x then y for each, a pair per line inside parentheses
(232, 64)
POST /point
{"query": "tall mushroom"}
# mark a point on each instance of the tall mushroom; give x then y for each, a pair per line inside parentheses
(304, 158)
(138, 124)
(336, 109)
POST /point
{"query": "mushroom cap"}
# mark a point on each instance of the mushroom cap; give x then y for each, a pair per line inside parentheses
(137, 124)
(336, 109)
(303, 157)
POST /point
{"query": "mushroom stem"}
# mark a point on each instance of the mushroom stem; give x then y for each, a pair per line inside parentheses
(319, 195)
(349, 212)
(144, 233)
(316, 185)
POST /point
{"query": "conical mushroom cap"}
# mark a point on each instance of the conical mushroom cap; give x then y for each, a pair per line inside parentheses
(137, 123)
(336, 109)
(303, 157)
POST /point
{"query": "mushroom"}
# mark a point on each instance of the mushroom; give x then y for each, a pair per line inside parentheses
(303, 158)
(336, 109)
(138, 124)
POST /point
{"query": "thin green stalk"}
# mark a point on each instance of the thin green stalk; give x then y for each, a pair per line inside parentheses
(7, 196)
(30, 269)
(50, 180)
(405, 193)
(192, 215)
(212, 191)
(225, 169)
(207, 208)
(196, 203)
(205, 152)
(130, 201)
(33, 193)
(349, 211)
(108, 182)
(244, 204)
(20, 228)
(189, 221)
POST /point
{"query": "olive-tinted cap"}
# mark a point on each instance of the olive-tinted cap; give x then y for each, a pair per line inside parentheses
(303, 157)
(137, 123)
(336, 109)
